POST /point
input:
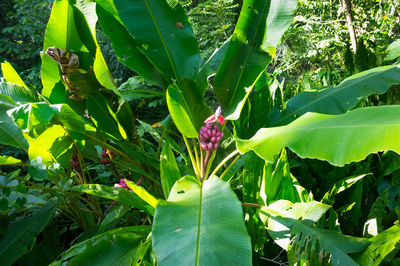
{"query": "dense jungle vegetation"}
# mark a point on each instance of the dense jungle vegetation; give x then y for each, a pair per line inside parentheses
(199, 132)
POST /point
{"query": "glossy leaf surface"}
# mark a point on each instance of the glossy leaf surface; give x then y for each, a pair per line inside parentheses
(169, 46)
(10, 75)
(187, 108)
(124, 44)
(10, 133)
(115, 247)
(104, 117)
(339, 99)
(339, 139)
(200, 225)
(250, 50)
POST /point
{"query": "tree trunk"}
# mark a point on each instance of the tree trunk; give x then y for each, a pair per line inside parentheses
(346, 7)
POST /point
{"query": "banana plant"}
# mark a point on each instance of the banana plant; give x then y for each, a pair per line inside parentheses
(196, 216)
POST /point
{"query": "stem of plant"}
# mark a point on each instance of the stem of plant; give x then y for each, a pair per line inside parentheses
(196, 170)
(247, 204)
(196, 154)
(160, 143)
(227, 158)
(229, 167)
(204, 165)
(209, 163)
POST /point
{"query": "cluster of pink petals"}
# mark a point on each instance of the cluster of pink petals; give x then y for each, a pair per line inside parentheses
(122, 184)
(106, 156)
(217, 117)
(210, 137)
(210, 134)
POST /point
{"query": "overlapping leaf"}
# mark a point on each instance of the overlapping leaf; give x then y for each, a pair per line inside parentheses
(261, 24)
(339, 139)
(339, 99)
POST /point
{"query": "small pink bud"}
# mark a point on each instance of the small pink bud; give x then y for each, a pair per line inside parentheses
(213, 133)
(212, 139)
(209, 146)
(218, 139)
(215, 146)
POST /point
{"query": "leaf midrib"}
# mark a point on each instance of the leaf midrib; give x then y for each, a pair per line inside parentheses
(199, 226)
(161, 37)
(248, 53)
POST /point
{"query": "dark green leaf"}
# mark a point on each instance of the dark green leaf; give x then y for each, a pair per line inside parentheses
(10, 133)
(125, 45)
(163, 34)
(169, 169)
(21, 234)
(260, 26)
(122, 195)
(104, 117)
(115, 247)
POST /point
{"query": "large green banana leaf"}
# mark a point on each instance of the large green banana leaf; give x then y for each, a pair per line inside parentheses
(201, 225)
(60, 32)
(115, 247)
(18, 93)
(103, 74)
(21, 234)
(10, 133)
(10, 75)
(339, 99)
(164, 34)
(338, 139)
(72, 26)
(261, 24)
(284, 219)
(187, 108)
(381, 246)
(124, 44)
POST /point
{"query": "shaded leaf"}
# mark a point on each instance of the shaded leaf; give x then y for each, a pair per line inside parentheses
(124, 44)
(21, 234)
(169, 171)
(122, 195)
(10, 133)
(104, 117)
(115, 247)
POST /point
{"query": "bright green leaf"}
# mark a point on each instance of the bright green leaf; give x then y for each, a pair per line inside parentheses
(201, 225)
(339, 139)
(10, 75)
(341, 98)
